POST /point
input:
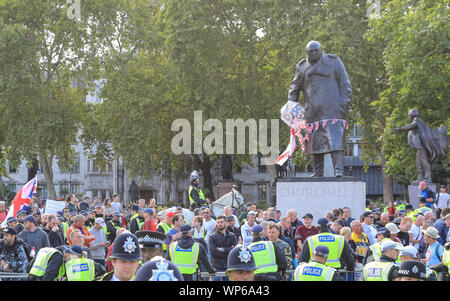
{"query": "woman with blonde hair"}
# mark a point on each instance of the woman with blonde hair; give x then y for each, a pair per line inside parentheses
(347, 233)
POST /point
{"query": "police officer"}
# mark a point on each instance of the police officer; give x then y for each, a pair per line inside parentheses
(240, 264)
(269, 259)
(47, 265)
(385, 269)
(151, 244)
(316, 270)
(412, 270)
(112, 226)
(159, 269)
(165, 226)
(196, 197)
(446, 257)
(422, 207)
(411, 253)
(186, 254)
(125, 256)
(374, 252)
(339, 250)
(78, 267)
(136, 221)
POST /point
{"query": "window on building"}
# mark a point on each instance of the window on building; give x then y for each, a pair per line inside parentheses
(64, 190)
(12, 188)
(76, 168)
(44, 192)
(12, 170)
(261, 168)
(262, 191)
(75, 188)
(349, 149)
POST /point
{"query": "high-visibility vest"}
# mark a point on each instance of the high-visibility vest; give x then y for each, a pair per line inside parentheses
(80, 269)
(166, 228)
(200, 194)
(185, 259)
(412, 215)
(313, 271)
(422, 210)
(446, 258)
(376, 249)
(65, 227)
(377, 271)
(264, 254)
(335, 244)
(140, 223)
(41, 262)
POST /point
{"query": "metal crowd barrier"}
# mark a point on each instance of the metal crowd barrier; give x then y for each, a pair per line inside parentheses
(355, 275)
(13, 276)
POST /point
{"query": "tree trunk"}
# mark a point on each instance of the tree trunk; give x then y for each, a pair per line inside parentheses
(33, 170)
(388, 186)
(48, 173)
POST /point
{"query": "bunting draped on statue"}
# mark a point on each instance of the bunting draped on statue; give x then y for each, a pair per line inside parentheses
(292, 113)
(22, 199)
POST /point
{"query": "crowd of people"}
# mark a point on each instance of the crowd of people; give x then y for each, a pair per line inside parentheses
(104, 241)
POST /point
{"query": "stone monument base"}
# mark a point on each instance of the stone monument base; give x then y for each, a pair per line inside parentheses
(414, 191)
(225, 186)
(318, 195)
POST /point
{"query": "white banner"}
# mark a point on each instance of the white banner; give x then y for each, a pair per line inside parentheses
(51, 207)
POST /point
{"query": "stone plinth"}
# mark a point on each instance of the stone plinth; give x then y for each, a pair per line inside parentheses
(318, 195)
(224, 187)
(414, 191)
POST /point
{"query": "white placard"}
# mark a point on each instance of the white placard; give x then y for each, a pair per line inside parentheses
(51, 207)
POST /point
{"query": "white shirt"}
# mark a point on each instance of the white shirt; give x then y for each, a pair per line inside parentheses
(417, 235)
(117, 207)
(444, 200)
(209, 226)
(246, 233)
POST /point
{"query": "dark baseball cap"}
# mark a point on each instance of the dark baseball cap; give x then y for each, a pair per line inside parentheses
(308, 215)
(323, 221)
(9, 230)
(29, 218)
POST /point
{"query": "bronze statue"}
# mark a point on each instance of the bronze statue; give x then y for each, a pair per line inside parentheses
(133, 191)
(430, 145)
(326, 91)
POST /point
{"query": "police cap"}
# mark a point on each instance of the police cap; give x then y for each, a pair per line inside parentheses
(126, 247)
(257, 229)
(321, 251)
(241, 259)
(414, 269)
(186, 229)
(135, 208)
(159, 269)
(150, 239)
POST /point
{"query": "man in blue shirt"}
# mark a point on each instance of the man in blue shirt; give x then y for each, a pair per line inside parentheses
(435, 250)
(427, 193)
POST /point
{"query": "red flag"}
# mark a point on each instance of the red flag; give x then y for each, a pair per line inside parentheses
(22, 199)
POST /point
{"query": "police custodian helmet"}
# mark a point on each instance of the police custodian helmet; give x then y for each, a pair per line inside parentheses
(159, 269)
(126, 247)
(240, 259)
